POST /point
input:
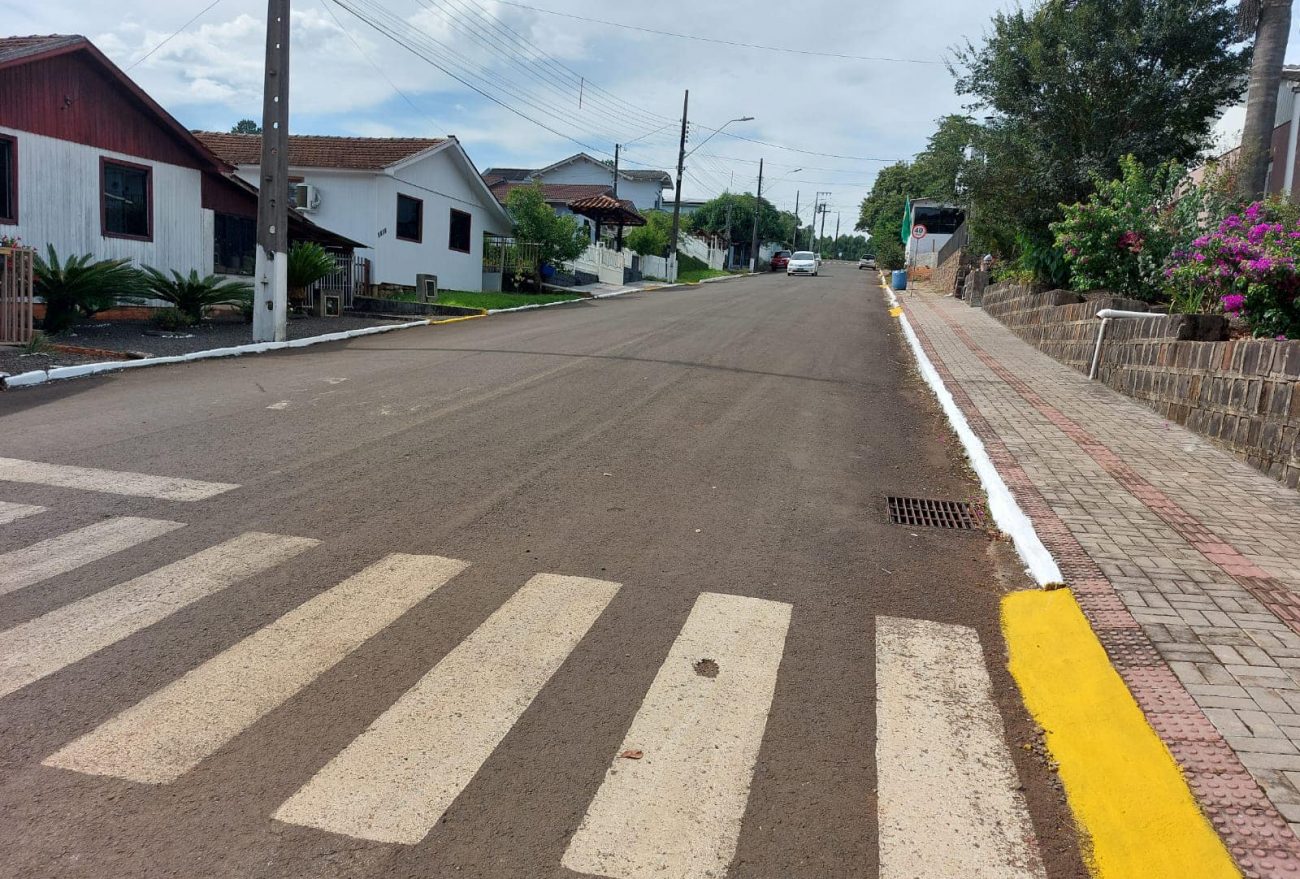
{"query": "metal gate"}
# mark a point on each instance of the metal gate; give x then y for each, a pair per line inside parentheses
(16, 297)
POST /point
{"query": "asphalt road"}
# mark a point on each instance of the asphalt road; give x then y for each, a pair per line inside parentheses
(383, 685)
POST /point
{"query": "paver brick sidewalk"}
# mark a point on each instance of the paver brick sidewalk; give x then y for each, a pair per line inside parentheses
(1185, 560)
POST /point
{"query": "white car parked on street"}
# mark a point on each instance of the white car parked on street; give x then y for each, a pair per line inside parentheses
(802, 262)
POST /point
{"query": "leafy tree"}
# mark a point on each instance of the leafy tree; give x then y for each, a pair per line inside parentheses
(711, 218)
(246, 126)
(560, 237)
(1074, 85)
(652, 238)
(80, 286)
(191, 293)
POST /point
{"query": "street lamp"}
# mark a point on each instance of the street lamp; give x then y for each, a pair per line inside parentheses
(681, 167)
(717, 131)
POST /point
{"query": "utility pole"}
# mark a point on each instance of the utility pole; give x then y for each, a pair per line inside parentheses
(681, 165)
(758, 205)
(826, 209)
(837, 230)
(271, 310)
(727, 266)
(795, 244)
(618, 239)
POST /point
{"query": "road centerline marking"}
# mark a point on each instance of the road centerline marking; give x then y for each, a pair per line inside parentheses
(949, 803)
(674, 812)
(170, 732)
(48, 558)
(168, 488)
(395, 780)
(40, 647)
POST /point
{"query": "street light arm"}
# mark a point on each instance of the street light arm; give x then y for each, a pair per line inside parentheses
(717, 131)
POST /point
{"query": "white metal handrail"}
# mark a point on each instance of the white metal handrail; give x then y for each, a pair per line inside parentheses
(1107, 315)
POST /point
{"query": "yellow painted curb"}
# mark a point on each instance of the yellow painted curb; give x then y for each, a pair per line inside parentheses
(455, 320)
(1136, 815)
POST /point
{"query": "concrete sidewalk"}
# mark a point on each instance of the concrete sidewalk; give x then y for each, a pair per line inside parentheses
(1185, 560)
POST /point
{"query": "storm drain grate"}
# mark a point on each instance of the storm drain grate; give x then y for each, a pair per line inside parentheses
(926, 513)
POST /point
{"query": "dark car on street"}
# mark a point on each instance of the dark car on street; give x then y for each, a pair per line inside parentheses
(780, 260)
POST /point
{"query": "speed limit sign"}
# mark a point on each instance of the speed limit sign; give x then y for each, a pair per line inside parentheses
(918, 231)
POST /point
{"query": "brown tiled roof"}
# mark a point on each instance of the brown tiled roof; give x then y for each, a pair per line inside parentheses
(12, 48)
(609, 209)
(321, 151)
(552, 192)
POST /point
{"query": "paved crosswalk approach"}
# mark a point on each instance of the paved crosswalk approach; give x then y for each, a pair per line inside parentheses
(673, 800)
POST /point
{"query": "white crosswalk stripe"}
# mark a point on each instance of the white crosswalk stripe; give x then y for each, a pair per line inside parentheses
(168, 488)
(73, 549)
(13, 512)
(675, 812)
(949, 804)
(169, 733)
(394, 782)
(42, 646)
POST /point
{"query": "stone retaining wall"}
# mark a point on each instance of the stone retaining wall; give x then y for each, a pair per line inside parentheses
(1243, 394)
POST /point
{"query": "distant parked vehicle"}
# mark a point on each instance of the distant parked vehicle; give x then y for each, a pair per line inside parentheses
(802, 262)
(867, 262)
(780, 259)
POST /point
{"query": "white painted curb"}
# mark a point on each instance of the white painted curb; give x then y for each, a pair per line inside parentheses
(1006, 513)
(40, 376)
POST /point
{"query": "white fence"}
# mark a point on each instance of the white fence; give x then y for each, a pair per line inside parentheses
(607, 264)
(714, 257)
(658, 267)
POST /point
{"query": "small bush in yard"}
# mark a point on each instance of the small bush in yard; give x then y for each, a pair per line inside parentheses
(192, 294)
(79, 286)
(1246, 268)
(1119, 239)
(171, 319)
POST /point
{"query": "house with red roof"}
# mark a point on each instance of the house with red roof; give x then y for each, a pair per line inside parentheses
(419, 204)
(91, 164)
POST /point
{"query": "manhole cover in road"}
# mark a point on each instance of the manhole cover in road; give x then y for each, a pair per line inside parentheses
(923, 512)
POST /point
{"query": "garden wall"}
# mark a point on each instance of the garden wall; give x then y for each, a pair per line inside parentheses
(1243, 394)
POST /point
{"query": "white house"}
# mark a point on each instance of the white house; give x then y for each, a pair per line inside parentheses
(90, 164)
(644, 188)
(418, 204)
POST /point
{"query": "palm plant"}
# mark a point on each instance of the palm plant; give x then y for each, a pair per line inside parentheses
(191, 293)
(80, 286)
(1269, 22)
(308, 263)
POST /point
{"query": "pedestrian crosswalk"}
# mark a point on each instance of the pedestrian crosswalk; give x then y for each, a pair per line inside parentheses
(675, 792)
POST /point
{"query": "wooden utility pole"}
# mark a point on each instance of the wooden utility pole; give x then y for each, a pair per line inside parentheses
(271, 294)
(727, 264)
(618, 239)
(758, 206)
(837, 230)
(795, 244)
(681, 165)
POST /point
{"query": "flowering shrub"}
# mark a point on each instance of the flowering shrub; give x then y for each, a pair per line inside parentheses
(1246, 268)
(10, 241)
(1118, 240)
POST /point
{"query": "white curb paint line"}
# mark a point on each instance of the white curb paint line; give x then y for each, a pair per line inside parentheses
(167, 488)
(13, 512)
(36, 377)
(164, 736)
(74, 549)
(40, 647)
(674, 809)
(949, 803)
(540, 305)
(394, 781)
(1006, 512)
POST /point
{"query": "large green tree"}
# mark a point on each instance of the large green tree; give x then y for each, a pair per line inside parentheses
(560, 237)
(711, 218)
(1071, 86)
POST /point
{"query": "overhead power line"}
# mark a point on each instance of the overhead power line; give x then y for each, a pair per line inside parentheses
(718, 40)
(175, 34)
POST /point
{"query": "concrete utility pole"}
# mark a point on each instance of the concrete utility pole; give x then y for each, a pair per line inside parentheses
(681, 165)
(837, 227)
(758, 205)
(727, 264)
(618, 240)
(826, 209)
(271, 308)
(795, 244)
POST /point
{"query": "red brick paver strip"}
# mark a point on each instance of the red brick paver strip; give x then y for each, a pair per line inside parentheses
(1185, 560)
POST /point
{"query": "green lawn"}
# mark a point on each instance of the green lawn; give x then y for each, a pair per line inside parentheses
(500, 300)
(694, 276)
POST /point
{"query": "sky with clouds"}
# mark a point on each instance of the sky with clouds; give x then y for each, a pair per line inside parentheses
(523, 87)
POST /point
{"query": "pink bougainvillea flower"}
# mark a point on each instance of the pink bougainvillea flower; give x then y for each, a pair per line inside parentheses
(1233, 303)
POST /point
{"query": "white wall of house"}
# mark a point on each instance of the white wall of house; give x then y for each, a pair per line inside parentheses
(362, 205)
(59, 204)
(645, 194)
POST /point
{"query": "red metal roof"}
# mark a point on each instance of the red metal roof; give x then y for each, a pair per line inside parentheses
(12, 48)
(321, 151)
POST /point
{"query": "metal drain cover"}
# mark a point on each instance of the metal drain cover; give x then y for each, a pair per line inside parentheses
(923, 512)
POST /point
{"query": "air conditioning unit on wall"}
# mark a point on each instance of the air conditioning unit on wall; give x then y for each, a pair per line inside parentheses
(306, 197)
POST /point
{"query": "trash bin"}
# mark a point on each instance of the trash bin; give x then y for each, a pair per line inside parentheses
(900, 279)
